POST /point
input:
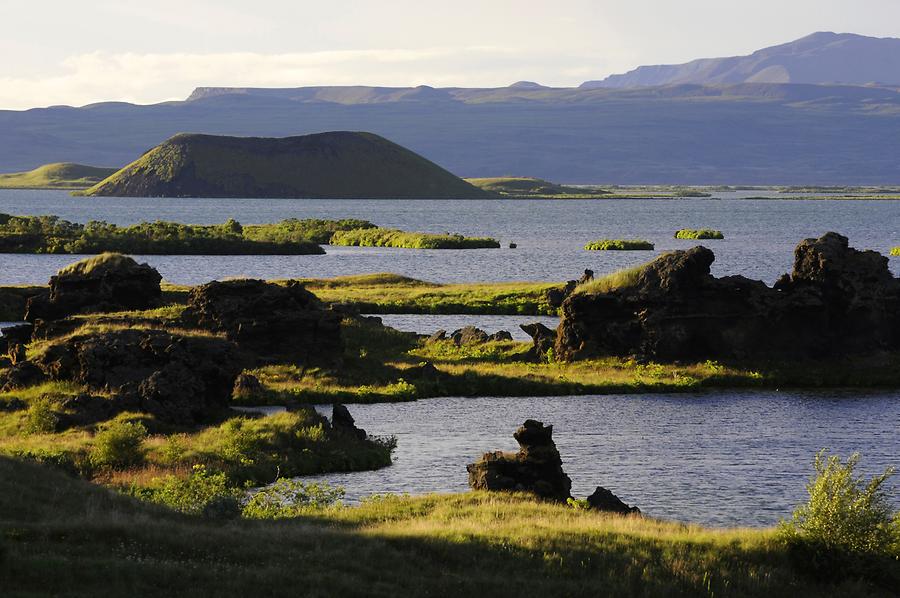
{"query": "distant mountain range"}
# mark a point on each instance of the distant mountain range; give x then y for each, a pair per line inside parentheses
(822, 58)
(721, 128)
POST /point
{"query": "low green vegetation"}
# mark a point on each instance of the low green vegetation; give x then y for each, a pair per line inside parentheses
(619, 245)
(620, 279)
(50, 234)
(136, 451)
(99, 543)
(534, 188)
(699, 233)
(62, 175)
(387, 293)
(386, 237)
(895, 251)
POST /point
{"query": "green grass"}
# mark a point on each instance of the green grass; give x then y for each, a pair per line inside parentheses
(699, 233)
(620, 279)
(62, 175)
(64, 536)
(386, 293)
(385, 237)
(619, 245)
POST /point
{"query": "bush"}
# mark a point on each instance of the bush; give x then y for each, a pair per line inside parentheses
(619, 245)
(699, 233)
(40, 418)
(200, 493)
(847, 521)
(290, 498)
(119, 445)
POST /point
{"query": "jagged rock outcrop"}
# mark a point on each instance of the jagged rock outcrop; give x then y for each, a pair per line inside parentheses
(604, 500)
(470, 335)
(838, 301)
(247, 386)
(268, 320)
(536, 468)
(178, 378)
(542, 337)
(343, 423)
(105, 283)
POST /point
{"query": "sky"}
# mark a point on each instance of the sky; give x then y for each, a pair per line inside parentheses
(79, 52)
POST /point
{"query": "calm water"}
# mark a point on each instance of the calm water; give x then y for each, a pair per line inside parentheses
(428, 324)
(729, 458)
(760, 234)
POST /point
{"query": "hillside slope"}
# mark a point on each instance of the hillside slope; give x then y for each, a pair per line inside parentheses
(820, 58)
(323, 165)
(61, 175)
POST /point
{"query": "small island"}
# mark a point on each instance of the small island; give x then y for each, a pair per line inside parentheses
(698, 234)
(50, 234)
(619, 245)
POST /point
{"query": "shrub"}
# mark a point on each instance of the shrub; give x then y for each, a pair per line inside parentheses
(846, 522)
(290, 498)
(40, 418)
(200, 493)
(619, 245)
(174, 449)
(119, 445)
(699, 233)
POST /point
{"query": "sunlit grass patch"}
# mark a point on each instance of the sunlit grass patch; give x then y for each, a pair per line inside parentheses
(619, 245)
(699, 233)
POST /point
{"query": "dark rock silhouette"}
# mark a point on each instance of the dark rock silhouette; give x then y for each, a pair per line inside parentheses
(247, 386)
(838, 301)
(438, 336)
(544, 339)
(268, 320)
(536, 468)
(105, 283)
(178, 378)
(604, 500)
(343, 423)
(469, 335)
(21, 375)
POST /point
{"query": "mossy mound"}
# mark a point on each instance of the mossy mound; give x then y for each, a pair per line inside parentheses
(98, 265)
(325, 165)
(699, 233)
(385, 237)
(620, 245)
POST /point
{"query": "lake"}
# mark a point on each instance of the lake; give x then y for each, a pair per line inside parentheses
(723, 458)
(760, 234)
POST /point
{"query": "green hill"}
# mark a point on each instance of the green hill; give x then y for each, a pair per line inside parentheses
(324, 165)
(61, 175)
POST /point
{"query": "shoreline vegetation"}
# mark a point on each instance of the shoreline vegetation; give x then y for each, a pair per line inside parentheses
(50, 234)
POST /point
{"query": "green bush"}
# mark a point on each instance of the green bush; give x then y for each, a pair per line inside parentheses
(200, 493)
(619, 245)
(699, 233)
(846, 523)
(118, 445)
(40, 418)
(290, 498)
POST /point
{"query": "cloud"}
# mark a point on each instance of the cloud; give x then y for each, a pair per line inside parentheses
(154, 77)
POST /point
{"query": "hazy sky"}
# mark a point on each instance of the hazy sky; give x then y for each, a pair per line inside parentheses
(77, 52)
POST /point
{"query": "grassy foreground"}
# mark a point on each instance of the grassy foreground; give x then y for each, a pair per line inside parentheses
(62, 536)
